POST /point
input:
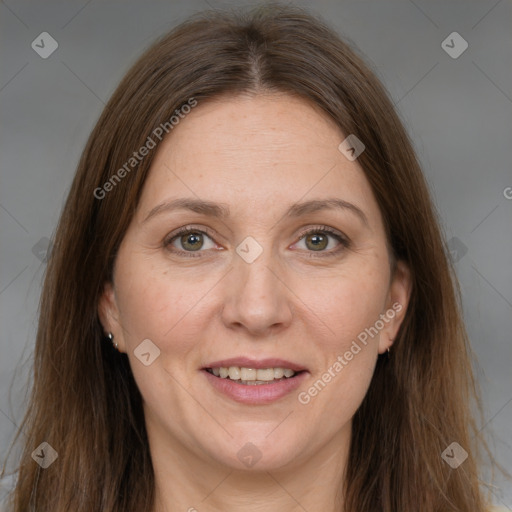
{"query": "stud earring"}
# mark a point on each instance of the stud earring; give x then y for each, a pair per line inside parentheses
(110, 336)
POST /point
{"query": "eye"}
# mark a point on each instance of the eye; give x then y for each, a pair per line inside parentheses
(317, 240)
(189, 240)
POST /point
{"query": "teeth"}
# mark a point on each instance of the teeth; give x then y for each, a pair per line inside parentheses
(266, 375)
(252, 375)
(248, 373)
(234, 373)
(278, 373)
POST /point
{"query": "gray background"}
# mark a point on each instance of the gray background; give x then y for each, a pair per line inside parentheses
(457, 110)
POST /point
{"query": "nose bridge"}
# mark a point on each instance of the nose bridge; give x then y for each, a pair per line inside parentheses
(257, 298)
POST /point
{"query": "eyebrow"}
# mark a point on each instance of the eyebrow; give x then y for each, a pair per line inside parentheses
(221, 210)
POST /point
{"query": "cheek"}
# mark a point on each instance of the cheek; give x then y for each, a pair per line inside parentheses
(347, 304)
(339, 384)
(350, 308)
(165, 308)
(156, 304)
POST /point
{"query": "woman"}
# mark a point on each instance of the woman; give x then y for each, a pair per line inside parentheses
(249, 304)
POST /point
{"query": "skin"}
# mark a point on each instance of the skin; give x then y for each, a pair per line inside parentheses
(258, 154)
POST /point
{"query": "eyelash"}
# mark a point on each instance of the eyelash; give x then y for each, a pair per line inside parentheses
(344, 242)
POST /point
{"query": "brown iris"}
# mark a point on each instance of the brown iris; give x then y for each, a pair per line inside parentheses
(319, 241)
(193, 240)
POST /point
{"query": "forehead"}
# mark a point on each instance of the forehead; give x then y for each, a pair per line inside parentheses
(254, 153)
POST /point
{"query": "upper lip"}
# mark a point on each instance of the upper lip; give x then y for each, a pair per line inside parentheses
(247, 362)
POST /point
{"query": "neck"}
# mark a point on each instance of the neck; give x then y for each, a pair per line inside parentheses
(186, 482)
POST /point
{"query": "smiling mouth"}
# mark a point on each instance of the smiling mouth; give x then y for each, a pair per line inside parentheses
(253, 376)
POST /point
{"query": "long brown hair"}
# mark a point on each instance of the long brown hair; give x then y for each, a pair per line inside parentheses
(85, 402)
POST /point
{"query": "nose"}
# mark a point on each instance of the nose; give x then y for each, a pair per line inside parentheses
(257, 299)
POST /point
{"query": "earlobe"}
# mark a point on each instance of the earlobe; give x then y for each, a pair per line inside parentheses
(396, 306)
(109, 316)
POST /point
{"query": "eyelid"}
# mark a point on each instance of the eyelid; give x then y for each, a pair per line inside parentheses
(325, 229)
(192, 228)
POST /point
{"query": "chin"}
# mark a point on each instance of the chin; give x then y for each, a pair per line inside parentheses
(256, 453)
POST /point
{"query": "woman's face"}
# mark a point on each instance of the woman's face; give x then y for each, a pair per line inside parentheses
(247, 290)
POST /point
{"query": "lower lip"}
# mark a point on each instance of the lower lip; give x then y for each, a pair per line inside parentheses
(255, 394)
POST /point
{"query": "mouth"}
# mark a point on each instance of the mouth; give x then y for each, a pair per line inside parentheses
(254, 381)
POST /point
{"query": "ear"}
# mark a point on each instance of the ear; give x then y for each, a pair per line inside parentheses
(108, 313)
(396, 305)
